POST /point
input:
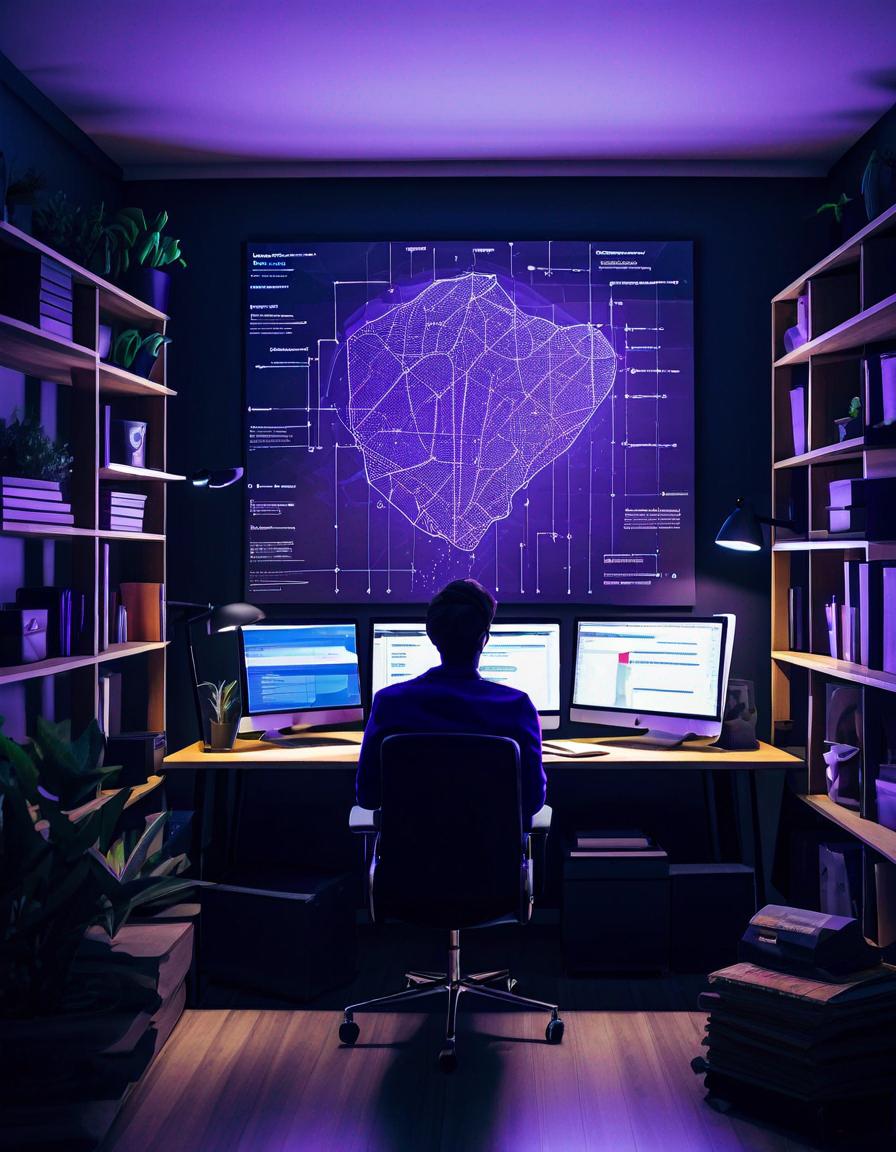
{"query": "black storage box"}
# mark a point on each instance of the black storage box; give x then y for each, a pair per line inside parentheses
(23, 635)
(711, 906)
(615, 914)
(288, 935)
(140, 755)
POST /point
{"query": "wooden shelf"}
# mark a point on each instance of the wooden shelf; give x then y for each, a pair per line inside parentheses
(126, 472)
(820, 544)
(117, 380)
(847, 253)
(45, 531)
(90, 569)
(875, 323)
(115, 534)
(25, 348)
(113, 299)
(831, 453)
(132, 648)
(840, 669)
(52, 667)
(882, 840)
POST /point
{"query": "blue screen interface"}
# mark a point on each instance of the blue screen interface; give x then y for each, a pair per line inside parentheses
(301, 667)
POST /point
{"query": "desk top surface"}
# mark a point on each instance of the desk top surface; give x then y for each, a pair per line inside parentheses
(256, 753)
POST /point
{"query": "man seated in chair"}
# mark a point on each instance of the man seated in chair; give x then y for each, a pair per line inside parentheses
(453, 697)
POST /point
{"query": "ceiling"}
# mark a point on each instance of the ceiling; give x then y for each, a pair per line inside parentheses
(176, 87)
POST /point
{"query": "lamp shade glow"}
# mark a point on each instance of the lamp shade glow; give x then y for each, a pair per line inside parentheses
(216, 478)
(742, 531)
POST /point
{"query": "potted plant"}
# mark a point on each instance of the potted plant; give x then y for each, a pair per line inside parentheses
(851, 425)
(147, 256)
(70, 229)
(846, 214)
(18, 194)
(137, 353)
(27, 451)
(225, 713)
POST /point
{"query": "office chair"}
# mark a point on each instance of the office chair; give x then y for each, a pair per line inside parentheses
(449, 851)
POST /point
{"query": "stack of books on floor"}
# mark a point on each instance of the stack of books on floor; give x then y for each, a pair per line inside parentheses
(816, 1045)
(26, 501)
(122, 511)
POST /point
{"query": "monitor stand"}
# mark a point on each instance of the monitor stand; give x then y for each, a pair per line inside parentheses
(289, 738)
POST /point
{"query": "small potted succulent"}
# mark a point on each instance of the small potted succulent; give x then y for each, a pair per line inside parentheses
(851, 425)
(225, 719)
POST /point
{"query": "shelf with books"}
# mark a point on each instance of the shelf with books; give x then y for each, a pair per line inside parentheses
(26, 348)
(100, 510)
(833, 594)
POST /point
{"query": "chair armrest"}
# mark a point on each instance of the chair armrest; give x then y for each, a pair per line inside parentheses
(363, 820)
(540, 823)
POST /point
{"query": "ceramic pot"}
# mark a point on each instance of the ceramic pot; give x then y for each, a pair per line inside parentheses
(222, 736)
(104, 341)
(151, 285)
(888, 386)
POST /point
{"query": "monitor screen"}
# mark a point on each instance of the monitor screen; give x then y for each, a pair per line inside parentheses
(292, 668)
(524, 655)
(658, 667)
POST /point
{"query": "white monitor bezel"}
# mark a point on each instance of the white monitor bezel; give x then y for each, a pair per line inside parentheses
(674, 723)
(549, 718)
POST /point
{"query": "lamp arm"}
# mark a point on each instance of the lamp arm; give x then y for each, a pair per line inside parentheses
(773, 522)
(194, 678)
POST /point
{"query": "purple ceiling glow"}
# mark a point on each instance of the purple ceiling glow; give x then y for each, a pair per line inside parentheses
(209, 82)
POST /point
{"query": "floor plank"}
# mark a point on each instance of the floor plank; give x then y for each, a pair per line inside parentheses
(248, 1080)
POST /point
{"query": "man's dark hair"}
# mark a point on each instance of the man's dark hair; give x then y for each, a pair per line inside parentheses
(458, 616)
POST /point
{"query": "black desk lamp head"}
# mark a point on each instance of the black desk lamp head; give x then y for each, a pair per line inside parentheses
(218, 618)
(742, 530)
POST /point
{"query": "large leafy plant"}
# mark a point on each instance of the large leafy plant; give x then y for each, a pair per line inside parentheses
(128, 343)
(69, 228)
(26, 450)
(65, 865)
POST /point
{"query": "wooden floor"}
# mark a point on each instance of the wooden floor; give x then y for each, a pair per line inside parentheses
(278, 1081)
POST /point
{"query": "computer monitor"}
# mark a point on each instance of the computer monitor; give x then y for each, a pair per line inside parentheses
(295, 675)
(523, 654)
(665, 675)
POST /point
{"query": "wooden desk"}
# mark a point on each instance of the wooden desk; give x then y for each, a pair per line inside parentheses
(217, 806)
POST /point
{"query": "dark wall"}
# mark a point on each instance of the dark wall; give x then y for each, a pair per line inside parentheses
(749, 242)
(846, 174)
(33, 132)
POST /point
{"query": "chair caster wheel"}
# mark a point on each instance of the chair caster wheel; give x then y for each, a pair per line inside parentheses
(554, 1031)
(348, 1032)
(511, 983)
(448, 1059)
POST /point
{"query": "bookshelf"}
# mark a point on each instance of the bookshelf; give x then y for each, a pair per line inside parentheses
(849, 305)
(68, 384)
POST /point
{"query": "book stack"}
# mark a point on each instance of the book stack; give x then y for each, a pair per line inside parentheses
(55, 298)
(26, 501)
(122, 511)
(800, 1037)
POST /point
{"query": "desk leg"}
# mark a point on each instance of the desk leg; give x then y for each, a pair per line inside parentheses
(710, 802)
(756, 835)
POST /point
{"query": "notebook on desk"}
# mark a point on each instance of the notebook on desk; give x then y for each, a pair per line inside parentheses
(571, 749)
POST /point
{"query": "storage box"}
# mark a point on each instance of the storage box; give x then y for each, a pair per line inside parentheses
(615, 915)
(711, 907)
(847, 493)
(886, 803)
(285, 934)
(23, 635)
(847, 519)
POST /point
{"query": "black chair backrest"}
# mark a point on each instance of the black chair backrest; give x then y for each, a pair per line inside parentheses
(450, 849)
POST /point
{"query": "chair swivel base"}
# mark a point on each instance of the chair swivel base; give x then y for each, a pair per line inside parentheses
(420, 984)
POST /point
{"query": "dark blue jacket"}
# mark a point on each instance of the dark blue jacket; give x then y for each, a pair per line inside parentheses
(453, 699)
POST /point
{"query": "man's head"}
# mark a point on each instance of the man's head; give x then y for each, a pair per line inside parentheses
(458, 619)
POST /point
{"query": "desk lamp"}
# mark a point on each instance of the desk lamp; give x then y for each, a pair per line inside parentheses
(742, 530)
(216, 477)
(220, 618)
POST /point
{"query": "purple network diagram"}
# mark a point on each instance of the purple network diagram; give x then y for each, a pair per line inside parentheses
(519, 412)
